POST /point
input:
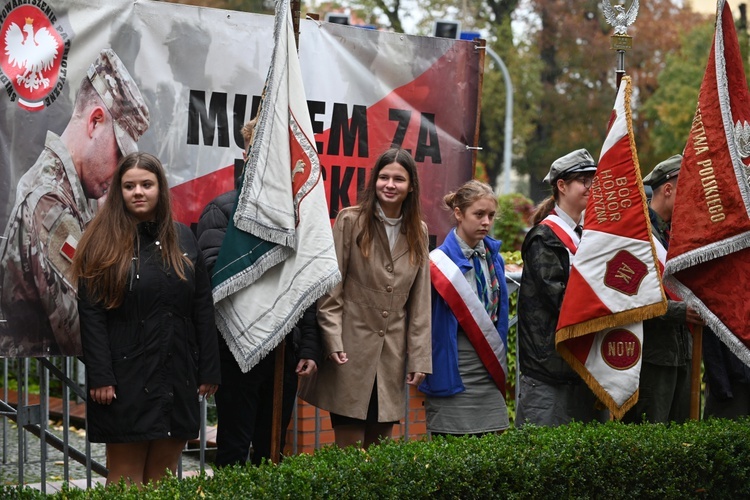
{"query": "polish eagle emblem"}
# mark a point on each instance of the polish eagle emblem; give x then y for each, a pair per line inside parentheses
(742, 138)
(34, 52)
(618, 17)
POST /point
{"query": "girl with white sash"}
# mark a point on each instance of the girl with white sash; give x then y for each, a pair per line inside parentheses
(466, 392)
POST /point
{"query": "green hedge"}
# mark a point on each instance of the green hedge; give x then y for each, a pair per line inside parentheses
(709, 459)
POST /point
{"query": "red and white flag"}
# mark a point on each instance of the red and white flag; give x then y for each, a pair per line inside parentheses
(614, 281)
(708, 262)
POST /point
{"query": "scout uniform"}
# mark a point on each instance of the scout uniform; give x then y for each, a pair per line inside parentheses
(551, 392)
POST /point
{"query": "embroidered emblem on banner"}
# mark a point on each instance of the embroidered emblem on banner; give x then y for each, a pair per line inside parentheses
(621, 349)
(625, 272)
(305, 165)
(34, 55)
(742, 139)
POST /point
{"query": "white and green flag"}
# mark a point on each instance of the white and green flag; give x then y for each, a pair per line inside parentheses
(278, 256)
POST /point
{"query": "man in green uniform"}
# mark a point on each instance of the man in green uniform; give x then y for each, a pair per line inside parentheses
(55, 199)
(664, 390)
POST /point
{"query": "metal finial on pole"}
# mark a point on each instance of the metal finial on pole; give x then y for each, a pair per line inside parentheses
(620, 19)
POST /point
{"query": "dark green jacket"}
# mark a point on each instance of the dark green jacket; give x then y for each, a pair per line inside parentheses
(666, 339)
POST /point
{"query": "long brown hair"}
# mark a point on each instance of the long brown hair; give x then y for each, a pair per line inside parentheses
(104, 254)
(544, 208)
(411, 211)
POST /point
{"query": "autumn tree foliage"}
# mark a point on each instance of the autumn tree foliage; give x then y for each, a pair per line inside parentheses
(563, 72)
(671, 108)
(578, 76)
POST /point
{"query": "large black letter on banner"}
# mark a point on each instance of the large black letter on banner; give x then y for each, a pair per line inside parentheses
(217, 112)
(402, 116)
(240, 104)
(317, 108)
(340, 126)
(340, 189)
(427, 144)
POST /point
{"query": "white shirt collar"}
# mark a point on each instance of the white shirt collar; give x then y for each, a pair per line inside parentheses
(467, 250)
(567, 218)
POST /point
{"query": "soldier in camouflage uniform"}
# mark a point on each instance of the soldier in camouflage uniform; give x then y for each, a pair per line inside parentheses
(551, 392)
(664, 388)
(55, 200)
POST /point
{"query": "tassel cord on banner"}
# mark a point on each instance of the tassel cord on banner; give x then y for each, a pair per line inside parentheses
(610, 321)
(615, 411)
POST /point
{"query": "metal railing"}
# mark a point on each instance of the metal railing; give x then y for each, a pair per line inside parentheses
(32, 417)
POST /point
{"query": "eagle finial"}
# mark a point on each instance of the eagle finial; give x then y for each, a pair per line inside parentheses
(618, 17)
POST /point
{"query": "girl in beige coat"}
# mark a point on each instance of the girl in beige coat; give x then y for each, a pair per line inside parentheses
(376, 322)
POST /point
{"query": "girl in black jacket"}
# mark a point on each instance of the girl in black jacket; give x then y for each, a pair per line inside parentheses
(147, 325)
(244, 404)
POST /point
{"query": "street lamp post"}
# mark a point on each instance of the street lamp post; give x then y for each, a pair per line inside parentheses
(508, 146)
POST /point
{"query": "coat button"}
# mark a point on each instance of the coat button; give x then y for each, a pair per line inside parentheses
(385, 314)
(381, 333)
(169, 314)
(389, 268)
(389, 289)
(170, 394)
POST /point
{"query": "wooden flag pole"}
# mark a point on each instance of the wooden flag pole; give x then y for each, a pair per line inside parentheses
(695, 371)
(278, 371)
(278, 401)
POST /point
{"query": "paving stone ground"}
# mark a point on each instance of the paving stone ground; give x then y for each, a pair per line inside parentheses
(55, 462)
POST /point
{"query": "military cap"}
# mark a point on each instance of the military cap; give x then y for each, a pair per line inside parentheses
(122, 98)
(668, 169)
(575, 162)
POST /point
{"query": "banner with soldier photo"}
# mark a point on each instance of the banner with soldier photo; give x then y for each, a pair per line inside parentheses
(87, 80)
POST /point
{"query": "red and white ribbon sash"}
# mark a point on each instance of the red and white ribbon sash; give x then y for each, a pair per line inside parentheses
(564, 232)
(471, 314)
